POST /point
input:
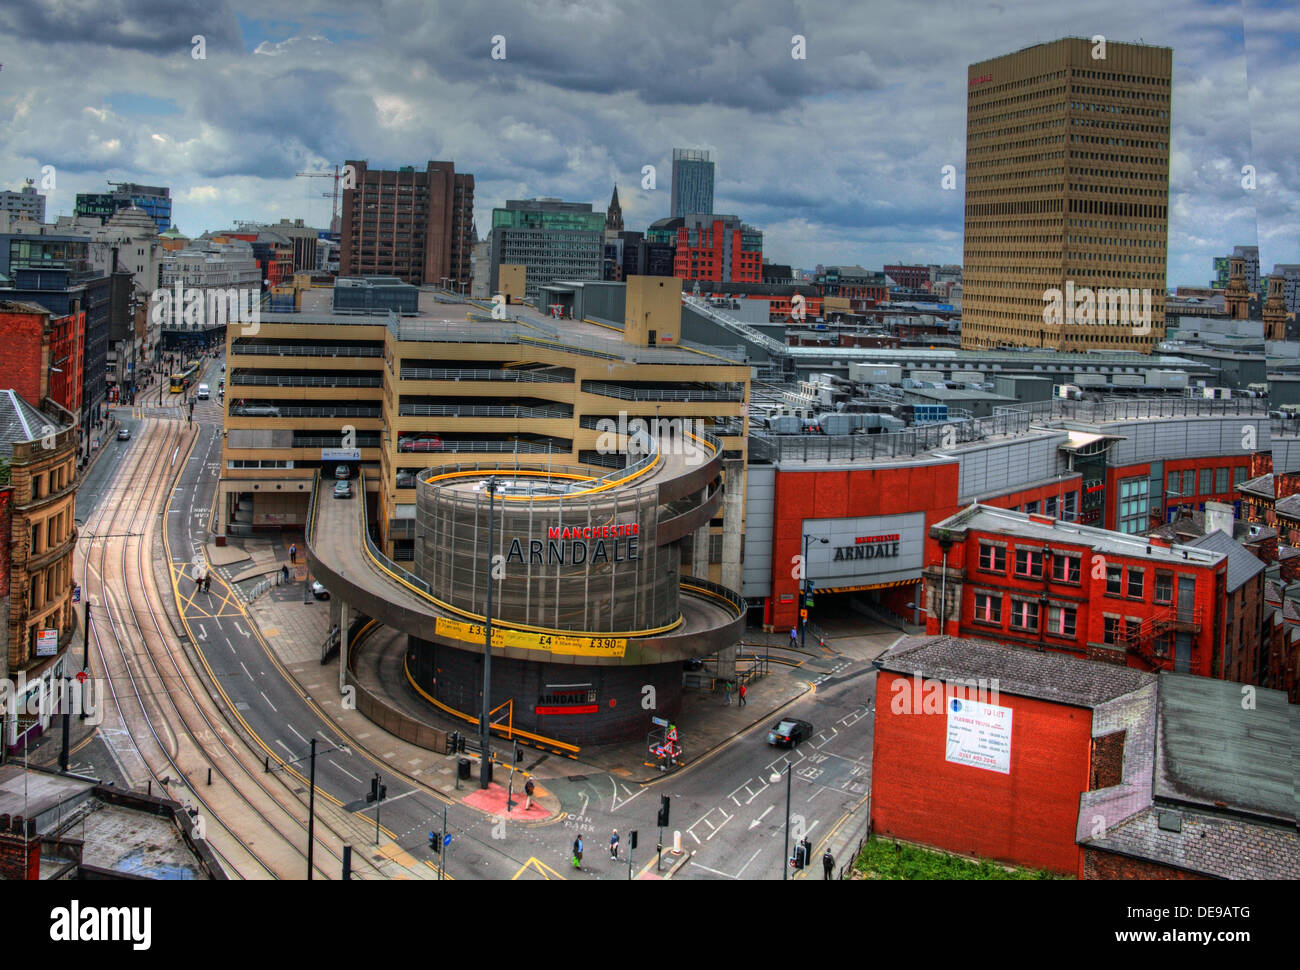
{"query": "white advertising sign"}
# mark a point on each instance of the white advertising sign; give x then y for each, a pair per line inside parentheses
(340, 454)
(47, 643)
(979, 735)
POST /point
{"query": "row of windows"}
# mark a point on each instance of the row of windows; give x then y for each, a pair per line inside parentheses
(1025, 614)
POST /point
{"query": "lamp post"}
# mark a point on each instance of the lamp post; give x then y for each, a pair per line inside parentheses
(774, 778)
(807, 588)
(484, 732)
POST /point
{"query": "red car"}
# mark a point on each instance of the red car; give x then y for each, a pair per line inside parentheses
(419, 444)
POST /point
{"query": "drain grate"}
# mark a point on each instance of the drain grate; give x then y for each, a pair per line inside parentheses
(577, 777)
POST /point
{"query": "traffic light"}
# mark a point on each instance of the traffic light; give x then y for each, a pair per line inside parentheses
(519, 754)
(799, 857)
(383, 792)
(373, 794)
(632, 839)
(435, 841)
(663, 811)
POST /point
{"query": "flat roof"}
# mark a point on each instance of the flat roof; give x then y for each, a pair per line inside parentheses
(1020, 525)
(1044, 676)
(1214, 753)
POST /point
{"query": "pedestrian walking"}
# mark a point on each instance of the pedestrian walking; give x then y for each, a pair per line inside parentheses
(577, 852)
(828, 864)
(528, 794)
(284, 573)
(613, 846)
(794, 636)
(741, 694)
(207, 583)
(293, 553)
(726, 693)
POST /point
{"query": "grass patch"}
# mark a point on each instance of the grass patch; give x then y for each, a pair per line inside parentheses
(883, 859)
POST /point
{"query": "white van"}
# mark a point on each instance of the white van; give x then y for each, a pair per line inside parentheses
(203, 392)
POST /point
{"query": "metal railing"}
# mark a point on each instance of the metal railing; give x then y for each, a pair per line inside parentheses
(894, 444)
(483, 374)
(303, 350)
(376, 552)
(243, 378)
(748, 334)
(1119, 409)
(505, 447)
(408, 410)
(733, 393)
(297, 411)
(717, 589)
(333, 441)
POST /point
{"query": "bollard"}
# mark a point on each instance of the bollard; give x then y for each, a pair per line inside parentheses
(209, 776)
(266, 765)
(150, 787)
(677, 843)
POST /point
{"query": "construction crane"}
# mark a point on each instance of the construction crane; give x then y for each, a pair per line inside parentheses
(334, 206)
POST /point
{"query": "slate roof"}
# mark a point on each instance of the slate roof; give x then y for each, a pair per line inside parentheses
(19, 422)
(1024, 673)
(1242, 565)
(1261, 486)
(1289, 506)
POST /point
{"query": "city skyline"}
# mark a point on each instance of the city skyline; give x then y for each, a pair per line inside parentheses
(540, 122)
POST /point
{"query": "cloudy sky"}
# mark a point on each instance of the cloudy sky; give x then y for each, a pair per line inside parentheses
(836, 157)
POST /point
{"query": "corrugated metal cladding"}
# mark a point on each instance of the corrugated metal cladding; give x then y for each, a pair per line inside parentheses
(1188, 438)
(1286, 455)
(760, 499)
(1006, 465)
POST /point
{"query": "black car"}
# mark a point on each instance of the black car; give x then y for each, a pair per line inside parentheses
(788, 732)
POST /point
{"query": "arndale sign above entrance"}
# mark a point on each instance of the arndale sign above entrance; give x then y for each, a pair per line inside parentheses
(869, 547)
(576, 545)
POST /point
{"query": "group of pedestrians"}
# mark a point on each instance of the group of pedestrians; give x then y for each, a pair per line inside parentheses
(741, 693)
(578, 845)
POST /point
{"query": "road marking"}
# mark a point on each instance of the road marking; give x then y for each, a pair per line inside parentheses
(754, 824)
(285, 746)
(250, 676)
(230, 645)
(268, 701)
(746, 865)
(348, 773)
(203, 634)
(300, 737)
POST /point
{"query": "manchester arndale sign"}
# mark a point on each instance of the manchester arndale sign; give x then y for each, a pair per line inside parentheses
(576, 545)
(869, 547)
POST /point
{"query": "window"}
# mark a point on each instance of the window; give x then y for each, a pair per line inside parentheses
(1238, 475)
(1110, 631)
(993, 558)
(1050, 506)
(1172, 484)
(1189, 483)
(1207, 475)
(1065, 569)
(1071, 506)
(1029, 563)
(988, 608)
(1133, 505)
(1221, 480)
(1135, 584)
(1031, 507)
(1164, 586)
(1061, 620)
(1024, 615)
(1132, 629)
(1114, 580)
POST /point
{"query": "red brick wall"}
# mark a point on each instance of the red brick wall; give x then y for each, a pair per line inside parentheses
(1100, 864)
(20, 855)
(1027, 817)
(6, 533)
(1107, 760)
(20, 363)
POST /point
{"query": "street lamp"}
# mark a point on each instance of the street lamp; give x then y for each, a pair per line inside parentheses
(484, 732)
(807, 588)
(775, 778)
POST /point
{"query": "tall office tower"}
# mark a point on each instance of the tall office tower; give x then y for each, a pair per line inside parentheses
(417, 226)
(27, 202)
(1067, 192)
(692, 182)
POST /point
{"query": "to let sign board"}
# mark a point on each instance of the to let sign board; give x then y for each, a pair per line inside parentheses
(979, 735)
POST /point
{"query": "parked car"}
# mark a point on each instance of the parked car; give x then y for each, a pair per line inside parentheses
(419, 444)
(789, 732)
(342, 489)
(123, 434)
(255, 410)
(342, 471)
(319, 591)
(406, 479)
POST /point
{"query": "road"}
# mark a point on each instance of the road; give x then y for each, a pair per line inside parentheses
(731, 814)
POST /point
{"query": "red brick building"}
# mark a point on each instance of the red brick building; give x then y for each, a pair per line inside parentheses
(909, 277)
(1045, 761)
(415, 225)
(42, 355)
(1033, 581)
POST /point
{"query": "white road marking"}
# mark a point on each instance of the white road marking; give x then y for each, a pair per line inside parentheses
(746, 865)
(250, 676)
(300, 737)
(754, 824)
(285, 746)
(351, 775)
(268, 701)
(230, 645)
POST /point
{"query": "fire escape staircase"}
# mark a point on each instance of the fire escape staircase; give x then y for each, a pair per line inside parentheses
(1144, 640)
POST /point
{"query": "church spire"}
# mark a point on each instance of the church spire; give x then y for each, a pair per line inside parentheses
(614, 214)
